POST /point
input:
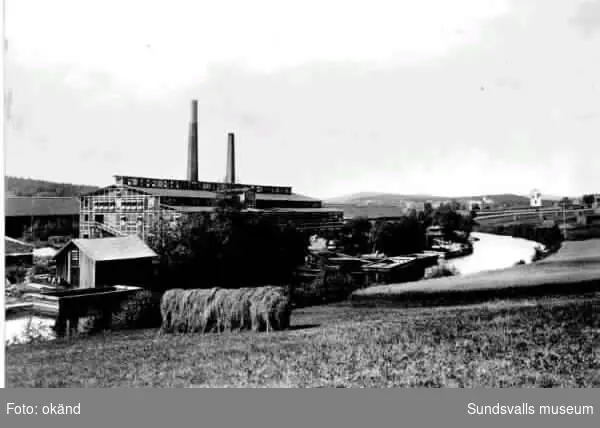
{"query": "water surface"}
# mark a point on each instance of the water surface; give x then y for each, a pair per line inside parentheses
(492, 252)
(17, 328)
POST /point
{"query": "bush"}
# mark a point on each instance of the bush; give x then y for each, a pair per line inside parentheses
(440, 271)
(539, 254)
(328, 286)
(141, 310)
(16, 274)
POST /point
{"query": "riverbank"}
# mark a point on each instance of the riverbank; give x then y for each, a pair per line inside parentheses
(574, 269)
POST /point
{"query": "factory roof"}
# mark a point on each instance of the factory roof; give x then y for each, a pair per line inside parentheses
(190, 209)
(175, 192)
(15, 247)
(41, 206)
(211, 195)
(303, 210)
(106, 249)
(183, 193)
(284, 197)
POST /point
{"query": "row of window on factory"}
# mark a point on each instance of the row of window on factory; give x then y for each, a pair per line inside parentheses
(117, 204)
(196, 185)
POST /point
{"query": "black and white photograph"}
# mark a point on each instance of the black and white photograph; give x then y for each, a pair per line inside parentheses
(302, 194)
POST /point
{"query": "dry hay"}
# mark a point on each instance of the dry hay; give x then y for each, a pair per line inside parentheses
(217, 310)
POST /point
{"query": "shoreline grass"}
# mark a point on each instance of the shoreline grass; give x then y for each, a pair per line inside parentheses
(574, 269)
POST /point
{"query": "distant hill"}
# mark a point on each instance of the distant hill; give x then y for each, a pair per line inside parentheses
(392, 199)
(510, 199)
(387, 199)
(17, 186)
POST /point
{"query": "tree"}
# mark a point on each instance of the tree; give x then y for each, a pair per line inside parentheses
(228, 249)
(426, 216)
(564, 202)
(588, 200)
(355, 236)
(395, 238)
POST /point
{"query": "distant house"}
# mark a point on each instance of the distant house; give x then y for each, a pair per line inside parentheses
(584, 219)
(474, 204)
(41, 216)
(17, 253)
(432, 233)
(88, 263)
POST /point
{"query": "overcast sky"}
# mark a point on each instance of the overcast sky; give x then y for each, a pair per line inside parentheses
(332, 97)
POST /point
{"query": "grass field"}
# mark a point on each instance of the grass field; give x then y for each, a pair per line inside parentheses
(574, 269)
(529, 343)
(533, 341)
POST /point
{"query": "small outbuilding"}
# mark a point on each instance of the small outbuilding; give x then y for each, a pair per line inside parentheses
(392, 270)
(102, 262)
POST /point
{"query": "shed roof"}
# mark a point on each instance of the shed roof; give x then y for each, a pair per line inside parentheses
(106, 249)
(41, 206)
(13, 247)
(391, 263)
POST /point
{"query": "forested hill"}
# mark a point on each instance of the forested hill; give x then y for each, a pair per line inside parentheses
(16, 186)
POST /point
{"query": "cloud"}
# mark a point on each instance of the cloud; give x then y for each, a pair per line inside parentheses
(587, 17)
(152, 50)
(329, 97)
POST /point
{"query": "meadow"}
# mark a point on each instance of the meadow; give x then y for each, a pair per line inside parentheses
(538, 327)
(545, 342)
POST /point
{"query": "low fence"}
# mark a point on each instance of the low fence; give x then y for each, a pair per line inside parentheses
(69, 306)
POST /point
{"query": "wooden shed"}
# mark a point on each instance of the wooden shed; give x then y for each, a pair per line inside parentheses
(88, 263)
(392, 270)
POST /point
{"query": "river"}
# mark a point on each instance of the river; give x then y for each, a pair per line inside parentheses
(15, 329)
(493, 252)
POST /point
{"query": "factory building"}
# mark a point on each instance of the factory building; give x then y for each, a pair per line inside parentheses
(40, 217)
(132, 205)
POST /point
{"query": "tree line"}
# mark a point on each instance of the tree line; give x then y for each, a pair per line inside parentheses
(406, 234)
(234, 249)
(228, 249)
(29, 187)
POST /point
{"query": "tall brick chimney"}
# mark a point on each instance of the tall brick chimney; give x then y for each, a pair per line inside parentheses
(192, 164)
(230, 177)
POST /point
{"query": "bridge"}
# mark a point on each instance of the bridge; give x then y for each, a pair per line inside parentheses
(528, 212)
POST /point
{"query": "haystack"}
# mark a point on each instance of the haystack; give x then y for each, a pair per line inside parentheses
(218, 310)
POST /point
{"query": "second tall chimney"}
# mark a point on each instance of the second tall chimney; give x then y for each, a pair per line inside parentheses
(192, 166)
(230, 177)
